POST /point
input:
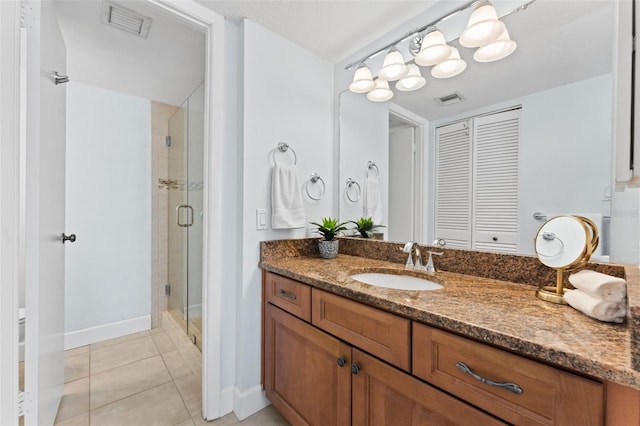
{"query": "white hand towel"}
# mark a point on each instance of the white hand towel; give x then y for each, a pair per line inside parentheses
(596, 308)
(602, 286)
(371, 200)
(287, 210)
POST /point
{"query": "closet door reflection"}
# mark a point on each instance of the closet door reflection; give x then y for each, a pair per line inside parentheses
(185, 169)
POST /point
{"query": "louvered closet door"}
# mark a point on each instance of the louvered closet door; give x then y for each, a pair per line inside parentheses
(453, 185)
(495, 183)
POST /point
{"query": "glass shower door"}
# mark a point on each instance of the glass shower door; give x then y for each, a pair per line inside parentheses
(185, 177)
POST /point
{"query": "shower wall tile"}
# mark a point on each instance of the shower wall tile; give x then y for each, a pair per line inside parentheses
(160, 114)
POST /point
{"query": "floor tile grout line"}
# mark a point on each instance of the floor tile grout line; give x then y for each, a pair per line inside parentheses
(126, 363)
(129, 396)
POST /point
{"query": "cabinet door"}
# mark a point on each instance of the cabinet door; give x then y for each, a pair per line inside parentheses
(303, 378)
(383, 395)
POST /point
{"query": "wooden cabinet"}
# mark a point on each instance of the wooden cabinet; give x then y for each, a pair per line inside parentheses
(383, 395)
(303, 379)
(314, 378)
(328, 360)
(382, 334)
(514, 388)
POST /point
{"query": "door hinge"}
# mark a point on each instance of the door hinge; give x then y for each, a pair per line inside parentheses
(167, 290)
(167, 141)
(24, 403)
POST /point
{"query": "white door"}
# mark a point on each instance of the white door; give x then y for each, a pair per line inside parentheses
(453, 185)
(401, 172)
(44, 250)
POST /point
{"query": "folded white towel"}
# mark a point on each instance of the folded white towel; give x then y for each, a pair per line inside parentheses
(371, 200)
(596, 308)
(601, 286)
(287, 210)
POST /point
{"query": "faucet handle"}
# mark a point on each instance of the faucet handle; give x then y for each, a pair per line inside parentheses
(430, 265)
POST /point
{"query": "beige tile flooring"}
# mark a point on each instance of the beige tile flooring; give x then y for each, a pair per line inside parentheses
(140, 379)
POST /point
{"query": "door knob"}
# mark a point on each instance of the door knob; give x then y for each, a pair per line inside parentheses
(355, 369)
(71, 238)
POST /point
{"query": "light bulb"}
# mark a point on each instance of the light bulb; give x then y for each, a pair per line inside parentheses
(483, 28)
(393, 67)
(362, 80)
(381, 93)
(413, 81)
(433, 49)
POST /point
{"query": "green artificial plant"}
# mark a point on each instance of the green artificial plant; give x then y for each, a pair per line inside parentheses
(329, 228)
(365, 226)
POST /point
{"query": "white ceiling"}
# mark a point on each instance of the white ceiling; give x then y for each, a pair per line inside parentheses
(167, 66)
(331, 29)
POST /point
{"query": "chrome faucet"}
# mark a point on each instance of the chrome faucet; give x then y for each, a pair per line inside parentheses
(414, 253)
(431, 267)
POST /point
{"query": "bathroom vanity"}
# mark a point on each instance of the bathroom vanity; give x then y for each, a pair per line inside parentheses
(480, 350)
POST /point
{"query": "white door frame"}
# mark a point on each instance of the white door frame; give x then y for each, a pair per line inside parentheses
(9, 207)
(213, 24)
(420, 180)
(212, 266)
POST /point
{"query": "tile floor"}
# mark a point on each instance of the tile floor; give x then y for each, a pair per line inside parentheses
(140, 379)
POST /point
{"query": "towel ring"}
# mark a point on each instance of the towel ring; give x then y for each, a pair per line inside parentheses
(350, 183)
(315, 178)
(550, 236)
(284, 147)
(371, 166)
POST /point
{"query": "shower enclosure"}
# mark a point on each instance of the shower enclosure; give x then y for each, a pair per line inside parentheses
(185, 182)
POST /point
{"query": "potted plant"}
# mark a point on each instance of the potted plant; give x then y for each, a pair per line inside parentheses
(365, 226)
(329, 229)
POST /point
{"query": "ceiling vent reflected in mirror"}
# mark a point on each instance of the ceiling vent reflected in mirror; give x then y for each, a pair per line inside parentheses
(125, 19)
(451, 99)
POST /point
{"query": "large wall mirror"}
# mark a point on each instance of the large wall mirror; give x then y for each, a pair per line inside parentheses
(562, 78)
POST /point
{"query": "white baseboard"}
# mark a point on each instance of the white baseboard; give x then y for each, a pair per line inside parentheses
(249, 402)
(87, 336)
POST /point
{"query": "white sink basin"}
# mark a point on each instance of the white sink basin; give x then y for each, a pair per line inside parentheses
(398, 282)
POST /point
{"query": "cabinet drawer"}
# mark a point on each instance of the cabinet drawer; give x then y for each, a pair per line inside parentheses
(380, 333)
(383, 395)
(290, 295)
(549, 395)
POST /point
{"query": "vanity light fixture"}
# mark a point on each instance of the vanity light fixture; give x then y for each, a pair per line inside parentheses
(381, 93)
(413, 81)
(483, 28)
(362, 80)
(499, 49)
(433, 49)
(450, 67)
(393, 67)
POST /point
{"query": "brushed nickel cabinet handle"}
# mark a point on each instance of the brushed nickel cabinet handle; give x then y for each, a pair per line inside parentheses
(512, 387)
(287, 295)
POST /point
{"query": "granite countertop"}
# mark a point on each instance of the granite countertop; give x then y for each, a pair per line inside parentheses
(501, 313)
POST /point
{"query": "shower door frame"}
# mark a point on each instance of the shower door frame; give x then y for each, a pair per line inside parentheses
(212, 265)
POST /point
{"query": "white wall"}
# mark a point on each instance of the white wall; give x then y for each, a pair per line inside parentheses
(565, 152)
(108, 204)
(287, 96)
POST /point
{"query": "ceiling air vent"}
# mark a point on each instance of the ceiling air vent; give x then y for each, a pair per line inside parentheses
(451, 99)
(125, 19)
